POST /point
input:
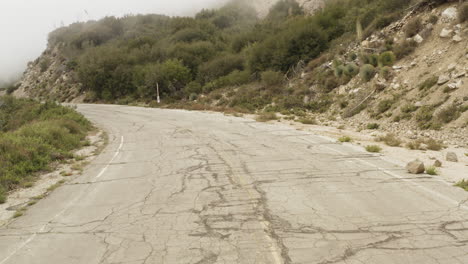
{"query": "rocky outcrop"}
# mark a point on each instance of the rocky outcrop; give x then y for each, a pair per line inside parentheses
(50, 78)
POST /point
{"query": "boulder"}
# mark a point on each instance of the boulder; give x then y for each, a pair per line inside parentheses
(458, 74)
(455, 85)
(418, 39)
(416, 167)
(457, 38)
(445, 33)
(450, 14)
(443, 79)
(452, 66)
(451, 156)
(437, 163)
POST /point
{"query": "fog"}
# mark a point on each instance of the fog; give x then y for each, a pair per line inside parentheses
(25, 24)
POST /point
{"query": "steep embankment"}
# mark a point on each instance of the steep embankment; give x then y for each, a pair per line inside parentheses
(423, 94)
(49, 77)
(387, 64)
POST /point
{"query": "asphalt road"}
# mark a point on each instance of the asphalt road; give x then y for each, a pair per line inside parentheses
(187, 187)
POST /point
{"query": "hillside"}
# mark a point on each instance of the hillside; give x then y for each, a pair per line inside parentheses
(397, 65)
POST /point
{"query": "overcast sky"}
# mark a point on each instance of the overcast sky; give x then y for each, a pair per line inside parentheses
(24, 24)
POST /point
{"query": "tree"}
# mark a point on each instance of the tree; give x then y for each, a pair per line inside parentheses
(172, 75)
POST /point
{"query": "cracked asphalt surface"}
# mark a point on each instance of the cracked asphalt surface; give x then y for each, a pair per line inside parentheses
(188, 187)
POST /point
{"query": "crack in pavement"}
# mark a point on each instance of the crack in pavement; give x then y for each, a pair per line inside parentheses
(200, 188)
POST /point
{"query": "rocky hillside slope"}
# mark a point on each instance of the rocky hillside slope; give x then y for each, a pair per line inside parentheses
(49, 77)
(424, 94)
(406, 76)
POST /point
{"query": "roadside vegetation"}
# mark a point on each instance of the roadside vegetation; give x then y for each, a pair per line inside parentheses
(33, 136)
(123, 60)
(230, 60)
(463, 184)
(373, 148)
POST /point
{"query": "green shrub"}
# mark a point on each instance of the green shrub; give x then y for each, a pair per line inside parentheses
(338, 70)
(307, 121)
(386, 72)
(221, 66)
(448, 114)
(431, 170)
(463, 184)
(424, 116)
(433, 144)
(373, 148)
(367, 72)
(44, 64)
(413, 27)
(34, 135)
(408, 108)
(3, 195)
(351, 70)
(433, 19)
(193, 88)
(373, 126)
(404, 48)
(383, 21)
(344, 139)
(428, 83)
(430, 143)
(391, 140)
(272, 78)
(384, 106)
(387, 58)
(193, 97)
(266, 116)
(463, 13)
(372, 59)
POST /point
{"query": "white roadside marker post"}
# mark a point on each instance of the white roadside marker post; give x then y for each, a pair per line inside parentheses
(157, 88)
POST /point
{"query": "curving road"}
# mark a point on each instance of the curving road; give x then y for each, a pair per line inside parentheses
(187, 187)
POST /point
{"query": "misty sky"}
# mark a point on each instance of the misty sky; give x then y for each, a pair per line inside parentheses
(24, 24)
